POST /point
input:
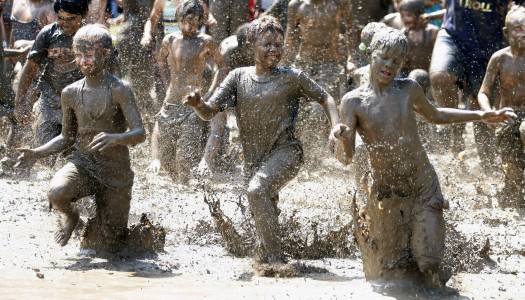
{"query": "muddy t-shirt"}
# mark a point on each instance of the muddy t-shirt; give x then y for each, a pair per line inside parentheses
(476, 26)
(53, 52)
(266, 107)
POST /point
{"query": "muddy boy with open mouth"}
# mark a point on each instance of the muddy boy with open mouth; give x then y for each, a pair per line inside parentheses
(265, 98)
(402, 230)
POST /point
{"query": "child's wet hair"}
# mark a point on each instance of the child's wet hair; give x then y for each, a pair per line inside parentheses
(190, 7)
(368, 33)
(93, 34)
(261, 26)
(389, 38)
(76, 7)
(417, 7)
(516, 9)
(242, 33)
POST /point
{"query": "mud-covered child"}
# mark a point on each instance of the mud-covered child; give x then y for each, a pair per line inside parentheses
(100, 120)
(404, 231)
(265, 98)
(180, 140)
(507, 66)
(421, 36)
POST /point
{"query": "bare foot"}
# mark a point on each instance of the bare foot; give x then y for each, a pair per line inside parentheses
(64, 233)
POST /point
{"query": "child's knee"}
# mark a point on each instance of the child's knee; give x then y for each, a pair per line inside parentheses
(256, 189)
(57, 195)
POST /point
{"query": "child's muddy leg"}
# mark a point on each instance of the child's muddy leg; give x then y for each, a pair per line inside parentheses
(282, 166)
(113, 214)
(428, 242)
(68, 185)
(164, 146)
(190, 148)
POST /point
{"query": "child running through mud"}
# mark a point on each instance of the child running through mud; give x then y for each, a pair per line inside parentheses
(402, 230)
(179, 137)
(506, 66)
(266, 101)
(100, 120)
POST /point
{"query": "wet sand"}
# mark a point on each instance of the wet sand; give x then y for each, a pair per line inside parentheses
(196, 265)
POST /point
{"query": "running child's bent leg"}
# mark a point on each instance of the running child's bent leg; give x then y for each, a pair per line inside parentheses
(68, 185)
(263, 187)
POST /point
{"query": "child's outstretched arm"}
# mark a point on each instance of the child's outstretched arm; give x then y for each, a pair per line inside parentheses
(205, 110)
(65, 140)
(453, 116)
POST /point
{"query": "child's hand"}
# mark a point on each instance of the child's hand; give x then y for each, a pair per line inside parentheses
(102, 141)
(26, 157)
(504, 115)
(340, 132)
(193, 99)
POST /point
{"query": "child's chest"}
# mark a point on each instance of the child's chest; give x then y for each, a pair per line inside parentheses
(183, 51)
(387, 114)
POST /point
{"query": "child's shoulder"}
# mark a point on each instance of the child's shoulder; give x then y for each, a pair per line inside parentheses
(502, 53)
(74, 87)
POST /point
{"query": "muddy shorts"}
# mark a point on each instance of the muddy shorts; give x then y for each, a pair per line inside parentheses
(48, 120)
(420, 213)
(182, 138)
(74, 182)
(509, 141)
(449, 57)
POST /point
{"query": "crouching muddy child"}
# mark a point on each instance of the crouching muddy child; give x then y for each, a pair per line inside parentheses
(100, 121)
(401, 230)
(266, 101)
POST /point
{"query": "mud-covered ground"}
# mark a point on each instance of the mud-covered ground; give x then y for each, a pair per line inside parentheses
(485, 244)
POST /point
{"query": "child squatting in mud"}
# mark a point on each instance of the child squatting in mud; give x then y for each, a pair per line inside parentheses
(403, 230)
(100, 121)
(266, 101)
(506, 66)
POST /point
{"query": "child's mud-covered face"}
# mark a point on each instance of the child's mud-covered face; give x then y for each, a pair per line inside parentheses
(189, 25)
(268, 49)
(90, 60)
(410, 20)
(516, 31)
(68, 23)
(385, 63)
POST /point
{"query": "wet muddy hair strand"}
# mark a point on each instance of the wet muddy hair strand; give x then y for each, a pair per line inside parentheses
(261, 26)
(76, 7)
(190, 7)
(388, 38)
(93, 34)
(417, 7)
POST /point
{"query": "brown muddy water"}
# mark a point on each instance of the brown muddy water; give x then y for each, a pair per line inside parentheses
(485, 244)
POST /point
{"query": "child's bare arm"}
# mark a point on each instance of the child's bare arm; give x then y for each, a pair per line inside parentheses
(135, 134)
(163, 61)
(345, 131)
(292, 40)
(222, 68)
(453, 116)
(154, 19)
(488, 82)
(65, 140)
(22, 105)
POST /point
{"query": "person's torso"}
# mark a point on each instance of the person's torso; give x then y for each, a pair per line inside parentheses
(476, 26)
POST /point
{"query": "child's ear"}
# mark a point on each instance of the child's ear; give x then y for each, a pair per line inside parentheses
(505, 33)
